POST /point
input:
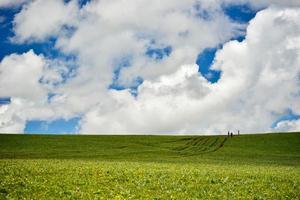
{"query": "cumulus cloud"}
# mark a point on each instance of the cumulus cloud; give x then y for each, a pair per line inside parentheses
(259, 79)
(288, 125)
(19, 78)
(9, 121)
(40, 19)
(162, 106)
(24, 72)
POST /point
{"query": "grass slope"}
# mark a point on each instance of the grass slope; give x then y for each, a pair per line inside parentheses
(150, 167)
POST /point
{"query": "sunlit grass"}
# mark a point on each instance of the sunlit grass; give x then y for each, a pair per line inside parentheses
(150, 167)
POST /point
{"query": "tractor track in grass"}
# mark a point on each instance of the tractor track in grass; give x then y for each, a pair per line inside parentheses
(191, 146)
(200, 145)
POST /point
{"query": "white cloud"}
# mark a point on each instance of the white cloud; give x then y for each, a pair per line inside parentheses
(41, 19)
(288, 125)
(159, 108)
(19, 79)
(20, 74)
(10, 122)
(100, 29)
(260, 76)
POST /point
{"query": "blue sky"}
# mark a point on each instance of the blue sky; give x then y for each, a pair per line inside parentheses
(5, 100)
(60, 126)
(158, 52)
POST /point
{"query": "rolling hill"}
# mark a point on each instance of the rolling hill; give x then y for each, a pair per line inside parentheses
(262, 166)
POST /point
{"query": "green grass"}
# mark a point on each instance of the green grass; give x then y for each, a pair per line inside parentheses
(263, 166)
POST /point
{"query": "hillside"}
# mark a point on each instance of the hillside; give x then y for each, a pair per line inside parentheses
(265, 166)
(272, 148)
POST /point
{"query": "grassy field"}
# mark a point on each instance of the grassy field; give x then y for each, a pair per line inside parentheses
(150, 167)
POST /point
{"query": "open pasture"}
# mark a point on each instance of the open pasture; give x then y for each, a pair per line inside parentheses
(263, 166)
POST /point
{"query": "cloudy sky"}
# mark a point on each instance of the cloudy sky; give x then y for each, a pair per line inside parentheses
(154, 67)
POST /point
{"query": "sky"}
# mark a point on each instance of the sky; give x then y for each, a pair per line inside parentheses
(149, 67)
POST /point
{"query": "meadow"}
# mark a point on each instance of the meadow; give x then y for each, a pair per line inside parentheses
(262, 166)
